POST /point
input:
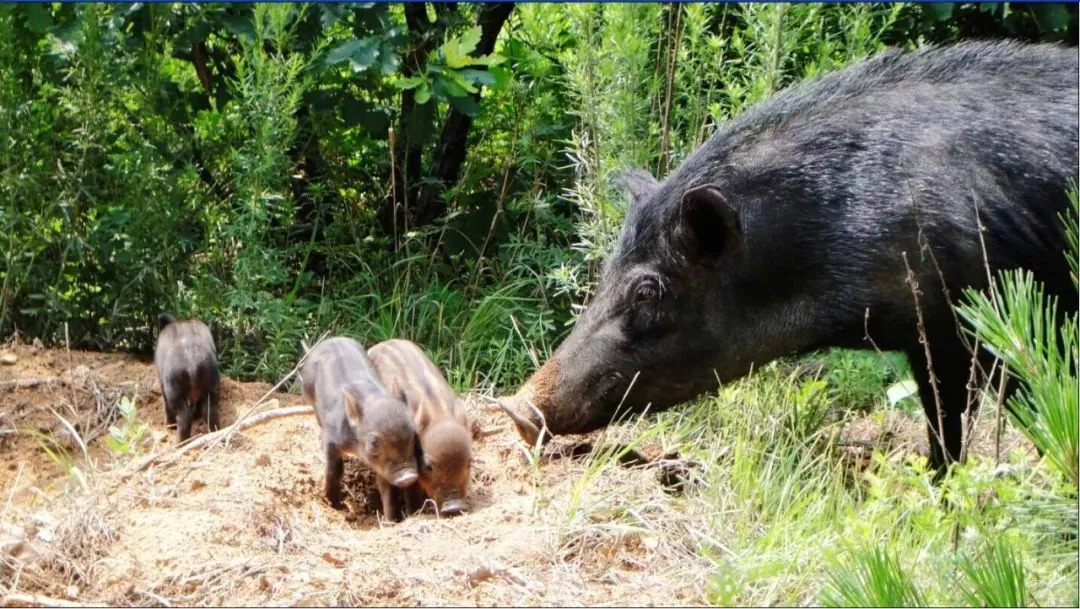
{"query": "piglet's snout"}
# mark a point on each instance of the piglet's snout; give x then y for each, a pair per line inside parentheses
(404, 478)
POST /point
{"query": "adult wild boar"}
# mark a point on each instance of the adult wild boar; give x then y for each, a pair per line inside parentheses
(793, 227)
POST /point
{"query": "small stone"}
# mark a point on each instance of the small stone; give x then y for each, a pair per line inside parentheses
(262, 460)
(334, 560)
(8, 359)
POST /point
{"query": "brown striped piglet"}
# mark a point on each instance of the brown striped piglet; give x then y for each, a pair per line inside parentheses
(445, 441)
(360, 418)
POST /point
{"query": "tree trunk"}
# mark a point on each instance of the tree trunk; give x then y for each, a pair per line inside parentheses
(452, 148)
(408, 144)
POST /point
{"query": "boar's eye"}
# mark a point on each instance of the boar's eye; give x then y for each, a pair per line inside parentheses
(428, 465)
(647, 290)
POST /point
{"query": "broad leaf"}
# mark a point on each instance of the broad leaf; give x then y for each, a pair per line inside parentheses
(332, 12)
(409, 83)
(500, 77)
(456, 50)
(466, 105)
(423, 94)
(479, 77)
(492, 59)
(454, 87)
(38, 18)
(240, 26)
(360, 53)
(341, 53)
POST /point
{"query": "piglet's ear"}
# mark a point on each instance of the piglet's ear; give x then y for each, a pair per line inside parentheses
(709, 224)
(639, 183)
(353, 412)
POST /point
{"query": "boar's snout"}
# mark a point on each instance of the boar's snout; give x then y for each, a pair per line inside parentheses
(544, 406)
(528, 425)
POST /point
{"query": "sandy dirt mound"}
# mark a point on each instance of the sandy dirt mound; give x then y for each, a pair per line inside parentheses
(244, 521)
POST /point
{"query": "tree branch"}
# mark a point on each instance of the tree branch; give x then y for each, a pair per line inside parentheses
(453, 143)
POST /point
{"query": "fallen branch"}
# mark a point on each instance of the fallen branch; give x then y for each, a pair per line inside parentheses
(32, 382)
(34, 600)
(206, 439)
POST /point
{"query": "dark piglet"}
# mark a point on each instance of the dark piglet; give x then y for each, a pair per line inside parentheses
(358, 417)
(796, 225)
(187, 367)
(445, 442)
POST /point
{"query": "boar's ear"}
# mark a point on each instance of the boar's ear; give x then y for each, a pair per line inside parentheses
(353, 413)
(639, 183)
(709, 224)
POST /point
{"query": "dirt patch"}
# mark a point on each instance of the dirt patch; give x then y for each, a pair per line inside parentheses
(244, 521)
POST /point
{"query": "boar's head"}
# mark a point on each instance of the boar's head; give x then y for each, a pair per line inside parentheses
(681, 306)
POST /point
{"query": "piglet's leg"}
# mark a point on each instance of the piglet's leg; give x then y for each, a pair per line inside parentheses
(414, 498)
(213, 415)
(335, 469)
(391, 504)
(184, 414)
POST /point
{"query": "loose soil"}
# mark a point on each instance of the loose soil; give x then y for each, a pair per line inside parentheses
(244, 521)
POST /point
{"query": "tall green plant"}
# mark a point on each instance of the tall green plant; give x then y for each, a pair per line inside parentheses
(996, 579)
(873, 579)
(252, 285)
(1023, 326)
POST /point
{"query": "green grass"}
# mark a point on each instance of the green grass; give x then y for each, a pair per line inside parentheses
(785, 520)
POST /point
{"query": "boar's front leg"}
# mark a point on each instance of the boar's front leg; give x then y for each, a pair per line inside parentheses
(951, 368)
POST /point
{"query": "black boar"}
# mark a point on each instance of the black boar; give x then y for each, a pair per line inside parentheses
(445, 442)
(187, 367)
(793, 227)
(358, 417)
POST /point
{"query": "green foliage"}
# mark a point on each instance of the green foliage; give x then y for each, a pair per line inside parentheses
(229, 161)
(856, 379)
(61, 456)
(123, 439)
(874, 578)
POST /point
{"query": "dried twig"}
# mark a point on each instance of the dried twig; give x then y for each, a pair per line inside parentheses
(913, 284)
(32, 382)
(35, 600)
